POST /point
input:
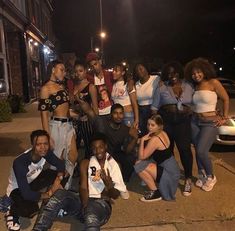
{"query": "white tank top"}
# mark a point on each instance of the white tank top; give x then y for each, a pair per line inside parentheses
(204, 101)
(120, 93)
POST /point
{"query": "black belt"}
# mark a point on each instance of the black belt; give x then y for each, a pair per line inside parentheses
(62, 120)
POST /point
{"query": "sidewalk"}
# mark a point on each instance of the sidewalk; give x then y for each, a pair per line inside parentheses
(201, 211)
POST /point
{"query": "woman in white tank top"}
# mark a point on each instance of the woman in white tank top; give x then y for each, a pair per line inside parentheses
(205, 120)
(124, 93)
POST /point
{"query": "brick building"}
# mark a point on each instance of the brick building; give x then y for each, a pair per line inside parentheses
(27, 44)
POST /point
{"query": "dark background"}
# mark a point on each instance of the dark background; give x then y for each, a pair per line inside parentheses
(153, 30)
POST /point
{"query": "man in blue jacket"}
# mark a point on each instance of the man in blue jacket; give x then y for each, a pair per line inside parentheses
(28, 177)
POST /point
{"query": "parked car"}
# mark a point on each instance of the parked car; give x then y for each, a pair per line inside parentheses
(226, 134)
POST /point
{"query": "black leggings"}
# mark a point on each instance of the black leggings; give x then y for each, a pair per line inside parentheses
(180, 134)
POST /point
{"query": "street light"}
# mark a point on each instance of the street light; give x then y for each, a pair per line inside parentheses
(97, 49)
(102, 34)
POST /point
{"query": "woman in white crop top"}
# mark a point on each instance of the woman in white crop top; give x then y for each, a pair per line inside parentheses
(124, 93)
(205, 120)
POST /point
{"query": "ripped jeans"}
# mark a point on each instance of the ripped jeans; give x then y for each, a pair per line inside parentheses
(96, 214)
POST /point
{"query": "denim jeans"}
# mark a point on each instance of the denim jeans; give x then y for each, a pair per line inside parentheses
(203, 135)
(62, 199)
(144, 114)
(128, 119)
(96, 213)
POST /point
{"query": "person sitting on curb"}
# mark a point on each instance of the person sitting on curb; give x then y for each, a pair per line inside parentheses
(28, 177)
(101, 182)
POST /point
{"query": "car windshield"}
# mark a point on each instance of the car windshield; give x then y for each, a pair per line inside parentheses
(229, 86)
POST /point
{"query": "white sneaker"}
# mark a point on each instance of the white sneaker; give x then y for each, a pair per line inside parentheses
(210, 182)
(201, 180)
(125, 195)
(12, 222)
(187, 188)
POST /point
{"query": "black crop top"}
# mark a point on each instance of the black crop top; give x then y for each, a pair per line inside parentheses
(54, 100)
(85, 94)
(161, 155)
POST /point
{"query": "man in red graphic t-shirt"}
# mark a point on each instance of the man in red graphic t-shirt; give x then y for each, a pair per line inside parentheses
(103, 80)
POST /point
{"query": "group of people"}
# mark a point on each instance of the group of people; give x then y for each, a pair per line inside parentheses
(127, 123)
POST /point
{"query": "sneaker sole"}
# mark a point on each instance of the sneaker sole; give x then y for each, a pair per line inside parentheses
(186, 194)
(209, 189)
(144, 200)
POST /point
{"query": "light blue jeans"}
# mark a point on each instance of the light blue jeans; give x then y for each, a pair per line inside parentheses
(203, 136)
(128, 118)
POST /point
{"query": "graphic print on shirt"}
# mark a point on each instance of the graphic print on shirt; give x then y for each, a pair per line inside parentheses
(95, 174)
(104, 99)
(34, 171)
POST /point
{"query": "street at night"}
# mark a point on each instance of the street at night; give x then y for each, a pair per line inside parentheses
(201, 211)
(117, 115)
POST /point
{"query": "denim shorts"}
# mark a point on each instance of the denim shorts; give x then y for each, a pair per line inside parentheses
(142, 165)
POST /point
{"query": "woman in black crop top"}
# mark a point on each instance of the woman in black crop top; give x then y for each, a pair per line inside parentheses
(161, 173)
(88, 93)
(55, 116)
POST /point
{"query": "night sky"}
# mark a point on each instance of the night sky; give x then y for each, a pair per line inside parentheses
(160, 29)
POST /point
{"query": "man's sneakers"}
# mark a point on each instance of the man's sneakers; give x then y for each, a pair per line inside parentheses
(187, 188)
(209, 184)
(12, 222)
(152, 195)
(125, 195)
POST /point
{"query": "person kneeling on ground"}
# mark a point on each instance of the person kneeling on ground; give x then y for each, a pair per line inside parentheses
(162, 168)
(28, 177)
(101, 181)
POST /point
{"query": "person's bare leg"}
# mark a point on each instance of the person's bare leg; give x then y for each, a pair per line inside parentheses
(148, 175)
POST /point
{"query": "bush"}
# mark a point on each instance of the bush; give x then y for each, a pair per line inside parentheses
(5, 111)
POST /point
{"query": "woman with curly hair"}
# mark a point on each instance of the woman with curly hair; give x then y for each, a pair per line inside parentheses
(205, 119)
(172, 100)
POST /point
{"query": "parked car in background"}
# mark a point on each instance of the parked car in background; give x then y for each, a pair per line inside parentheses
(226, 134)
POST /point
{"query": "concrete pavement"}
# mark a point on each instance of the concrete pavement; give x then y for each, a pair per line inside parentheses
(213, 210)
